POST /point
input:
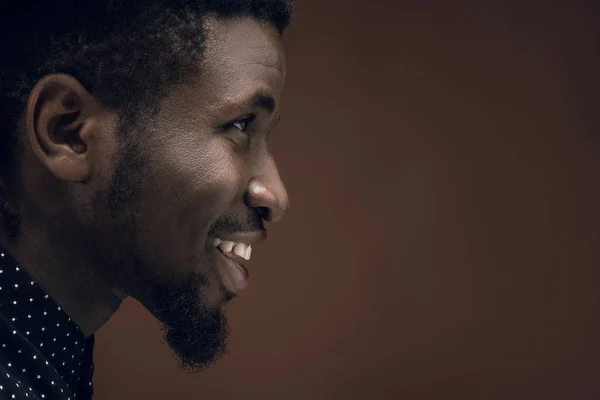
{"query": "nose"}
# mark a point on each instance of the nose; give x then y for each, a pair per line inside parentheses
(267, 193)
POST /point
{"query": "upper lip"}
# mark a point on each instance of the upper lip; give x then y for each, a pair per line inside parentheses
(245, 237)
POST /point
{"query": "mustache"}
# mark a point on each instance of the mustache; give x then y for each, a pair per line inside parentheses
(237, 223)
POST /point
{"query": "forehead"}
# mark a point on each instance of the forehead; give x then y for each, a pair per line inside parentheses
(243, 39)
(242, 55)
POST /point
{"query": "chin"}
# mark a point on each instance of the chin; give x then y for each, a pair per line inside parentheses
(227, 295)
(193, 321)
(200, 349)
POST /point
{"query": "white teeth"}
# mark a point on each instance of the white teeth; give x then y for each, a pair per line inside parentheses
(226, 246)
(240, 249)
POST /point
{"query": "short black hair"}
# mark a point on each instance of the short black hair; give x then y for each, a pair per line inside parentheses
(125, 52)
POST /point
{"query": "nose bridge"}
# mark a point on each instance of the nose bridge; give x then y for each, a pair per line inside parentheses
(267, 192)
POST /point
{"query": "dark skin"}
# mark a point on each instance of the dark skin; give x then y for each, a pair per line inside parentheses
(104, 219)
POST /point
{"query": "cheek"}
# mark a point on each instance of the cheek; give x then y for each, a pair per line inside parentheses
(214, 174)
(197, 182)
(183, 192)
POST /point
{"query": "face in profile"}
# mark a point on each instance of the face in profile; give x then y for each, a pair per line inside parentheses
(191, 189)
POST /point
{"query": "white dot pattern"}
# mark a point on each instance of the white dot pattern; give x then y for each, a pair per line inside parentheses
(43, 354)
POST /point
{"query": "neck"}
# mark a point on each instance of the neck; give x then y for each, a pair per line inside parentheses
(68, 278)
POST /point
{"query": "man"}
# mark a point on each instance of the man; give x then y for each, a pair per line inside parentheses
(134, 162)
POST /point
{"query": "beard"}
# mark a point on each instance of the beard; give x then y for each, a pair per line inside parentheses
(196, 332)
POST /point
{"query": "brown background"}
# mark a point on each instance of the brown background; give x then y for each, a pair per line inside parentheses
(444, 235)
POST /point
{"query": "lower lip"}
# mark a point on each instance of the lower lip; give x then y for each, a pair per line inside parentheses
(233, 274)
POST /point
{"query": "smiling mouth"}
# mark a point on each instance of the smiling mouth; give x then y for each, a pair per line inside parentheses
(231, 257)
(228, 248)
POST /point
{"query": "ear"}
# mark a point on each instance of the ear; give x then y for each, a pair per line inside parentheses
(62, 126)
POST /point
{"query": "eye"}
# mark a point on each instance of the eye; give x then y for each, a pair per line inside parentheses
(240, 125)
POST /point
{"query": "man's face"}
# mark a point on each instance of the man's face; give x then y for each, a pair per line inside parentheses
(197, 174)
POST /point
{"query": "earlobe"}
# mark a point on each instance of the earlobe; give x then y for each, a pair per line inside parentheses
(56, 124)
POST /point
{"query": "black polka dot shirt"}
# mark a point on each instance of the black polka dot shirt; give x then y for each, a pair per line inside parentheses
(43, 354)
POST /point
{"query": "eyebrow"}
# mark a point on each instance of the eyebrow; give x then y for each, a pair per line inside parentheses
(257, 100)
(263, 101)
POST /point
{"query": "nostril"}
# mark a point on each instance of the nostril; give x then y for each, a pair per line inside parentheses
(269, 202)
(265, 213)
